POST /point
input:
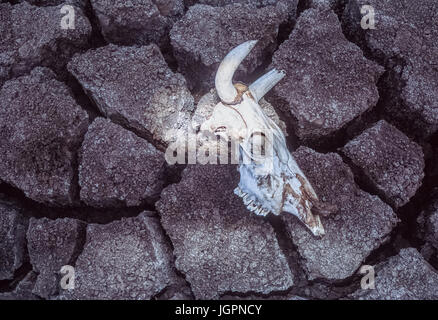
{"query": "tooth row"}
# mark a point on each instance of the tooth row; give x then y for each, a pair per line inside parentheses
(250, 204)
(239, 192)
(261, 211)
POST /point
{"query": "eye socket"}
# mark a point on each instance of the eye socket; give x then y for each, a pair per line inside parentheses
(220, 129)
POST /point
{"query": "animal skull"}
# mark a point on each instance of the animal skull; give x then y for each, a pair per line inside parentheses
(273, 182)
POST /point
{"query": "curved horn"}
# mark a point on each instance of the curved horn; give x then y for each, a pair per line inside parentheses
(265, 83)
(224, 75)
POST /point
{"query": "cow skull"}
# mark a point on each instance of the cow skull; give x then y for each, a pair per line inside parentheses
(272, 182)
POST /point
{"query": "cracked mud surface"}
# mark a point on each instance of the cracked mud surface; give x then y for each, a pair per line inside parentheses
(86, 115)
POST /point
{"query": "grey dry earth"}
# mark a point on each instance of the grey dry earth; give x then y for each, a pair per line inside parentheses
(86, 114)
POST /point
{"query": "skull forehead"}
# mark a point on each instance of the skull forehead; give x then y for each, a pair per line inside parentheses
(227, 116)
(210, 100)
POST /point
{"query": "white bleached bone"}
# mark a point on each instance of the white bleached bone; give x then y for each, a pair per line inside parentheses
(224, 76)
(270, 178)
(265, 83)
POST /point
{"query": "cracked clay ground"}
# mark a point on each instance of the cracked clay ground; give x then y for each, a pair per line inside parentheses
(85, 116)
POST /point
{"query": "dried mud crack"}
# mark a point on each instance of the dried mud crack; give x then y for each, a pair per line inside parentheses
(85, 116)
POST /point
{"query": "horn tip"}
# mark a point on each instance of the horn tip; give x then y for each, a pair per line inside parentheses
(251, 43)
(281, 72)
